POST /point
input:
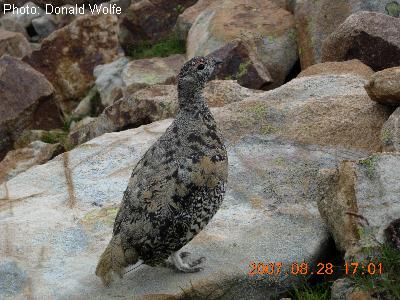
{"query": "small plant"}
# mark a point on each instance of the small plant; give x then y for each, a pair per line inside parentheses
(307, 292)
(54, 137)
(387, 284)
(393, 9)
(386, 136)
(243, 68)
(369, 164)
(170, 45)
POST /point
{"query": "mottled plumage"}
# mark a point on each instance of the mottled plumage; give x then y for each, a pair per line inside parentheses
(176, 188)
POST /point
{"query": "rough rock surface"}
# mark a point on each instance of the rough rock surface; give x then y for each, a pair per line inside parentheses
(70, 204)
(45, 25)
(152, 104)
(384, 86)
(372, 38)
(108, 80)
(390, 134)
(361, 200)
(188, 17)
(14, 44)
(142, 73)
(27, 101)
(20, 160)
(316, 20)
(150, 20)
(68, 56)
(242, 64)
(324, 110)
(354, 67)
(263, 25)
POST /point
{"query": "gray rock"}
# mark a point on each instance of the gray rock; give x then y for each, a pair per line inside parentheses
(12, 279)
(361, 201)
(341, 289)
(390, 134)
(108, 80)
(44, 25)
(62, 214)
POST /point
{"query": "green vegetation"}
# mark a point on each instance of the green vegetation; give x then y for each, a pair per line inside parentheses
(369, 163)
(268, 129)
(308, 292)
(393, 9)
(387, 284)
(170, 45)
(243, 68)
(386, 136)
(54, 137)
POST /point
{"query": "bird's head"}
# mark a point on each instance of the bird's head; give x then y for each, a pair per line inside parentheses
(197, 72)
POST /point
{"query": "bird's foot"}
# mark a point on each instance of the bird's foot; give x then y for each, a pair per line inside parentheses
(182, 262)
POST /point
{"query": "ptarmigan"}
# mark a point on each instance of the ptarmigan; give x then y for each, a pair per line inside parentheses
(175, 189)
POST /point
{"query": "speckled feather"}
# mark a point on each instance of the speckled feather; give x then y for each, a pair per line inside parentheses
(178, 185)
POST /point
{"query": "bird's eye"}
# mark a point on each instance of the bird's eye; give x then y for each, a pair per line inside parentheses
(200, 67)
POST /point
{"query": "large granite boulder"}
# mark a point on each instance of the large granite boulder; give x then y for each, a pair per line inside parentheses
(26, 101)
(323, 110)
(361, 201)
(150, 21)
(267, 28)
(68, 56)
(373, 38)
(14, 44)
(384, 86)
(316, 20)
(62, 214)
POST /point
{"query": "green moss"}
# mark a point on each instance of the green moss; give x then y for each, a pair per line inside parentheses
(268, 129)
(369, 164)
(386, 136)
(393, 9)
(292, 34)
(271, 39)
(242, 70)
(54, 137)
(387, 284)
(179, 9)
(170, 45)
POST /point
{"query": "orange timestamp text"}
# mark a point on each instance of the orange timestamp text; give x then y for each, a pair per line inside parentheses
(303, 268)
